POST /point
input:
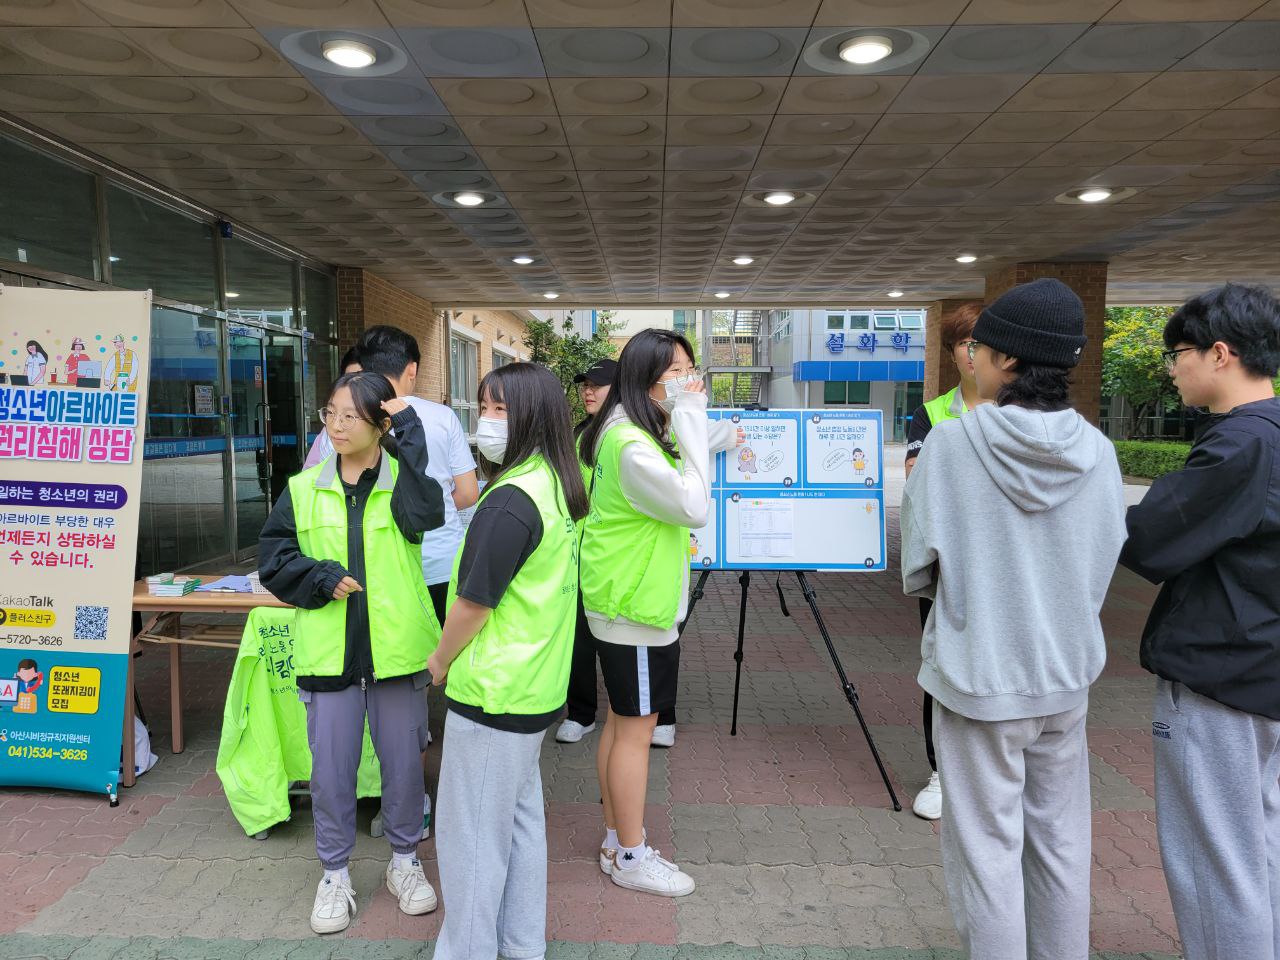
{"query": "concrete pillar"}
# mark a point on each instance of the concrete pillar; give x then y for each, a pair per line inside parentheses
(1089, 281)
(940, 373)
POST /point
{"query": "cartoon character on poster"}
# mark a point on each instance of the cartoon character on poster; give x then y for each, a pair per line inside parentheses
(27, 679)
(124, 368)
(75, 357)
(859, 463)
(37, 362)
(746, 462)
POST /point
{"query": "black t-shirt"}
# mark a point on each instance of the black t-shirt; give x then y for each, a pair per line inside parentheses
(504, 532)
(919, 429)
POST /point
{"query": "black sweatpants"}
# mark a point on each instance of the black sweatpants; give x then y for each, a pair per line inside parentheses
(925, 607)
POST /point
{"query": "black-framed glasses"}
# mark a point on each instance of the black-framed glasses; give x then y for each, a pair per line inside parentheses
(1170, 357)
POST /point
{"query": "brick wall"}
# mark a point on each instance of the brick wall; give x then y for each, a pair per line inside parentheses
(365, 300)
(940, 373)
(487, 328)
(1089, 281)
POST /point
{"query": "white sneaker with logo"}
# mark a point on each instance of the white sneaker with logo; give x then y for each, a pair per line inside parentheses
(410, 887)
(664, 735)
(653, 875)
(571, 731)
(334, 906)
(928, 802)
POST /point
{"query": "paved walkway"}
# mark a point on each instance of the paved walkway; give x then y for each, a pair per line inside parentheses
(787, 828)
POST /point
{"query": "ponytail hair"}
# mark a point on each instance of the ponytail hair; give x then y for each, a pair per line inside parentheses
(368, 392)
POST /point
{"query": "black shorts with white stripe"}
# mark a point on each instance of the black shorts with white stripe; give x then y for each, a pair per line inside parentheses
(640, 680)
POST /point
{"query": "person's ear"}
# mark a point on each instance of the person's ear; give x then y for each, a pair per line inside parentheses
(1221, 355)
(411, 373)
(1006, 363)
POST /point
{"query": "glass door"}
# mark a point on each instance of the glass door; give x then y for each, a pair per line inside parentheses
(284, 392)
(251, 446)
(183, 518)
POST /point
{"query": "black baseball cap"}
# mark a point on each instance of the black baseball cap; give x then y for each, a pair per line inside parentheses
(601, 373)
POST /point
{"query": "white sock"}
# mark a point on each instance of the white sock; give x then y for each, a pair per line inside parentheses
(426, 803)
(610, 839)
(401, 861)
(343, 875)
(630, 857)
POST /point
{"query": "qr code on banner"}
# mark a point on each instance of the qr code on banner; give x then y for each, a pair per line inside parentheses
(91, 623)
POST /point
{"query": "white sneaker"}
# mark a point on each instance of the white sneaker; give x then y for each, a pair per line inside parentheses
(409, 885)
(607, 857)
(928, 802)
(664, 735)
(654, 875)
(335, 903)
(571, 731)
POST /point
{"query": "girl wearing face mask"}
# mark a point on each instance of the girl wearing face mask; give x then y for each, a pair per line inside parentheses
(651, 483)
(504, 659)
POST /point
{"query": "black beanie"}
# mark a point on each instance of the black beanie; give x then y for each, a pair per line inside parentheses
(1038, 322)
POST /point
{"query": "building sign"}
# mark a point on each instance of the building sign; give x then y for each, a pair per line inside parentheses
(835, 342)
(68, 536)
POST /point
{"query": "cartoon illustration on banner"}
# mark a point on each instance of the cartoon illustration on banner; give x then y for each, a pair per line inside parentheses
(72, 411)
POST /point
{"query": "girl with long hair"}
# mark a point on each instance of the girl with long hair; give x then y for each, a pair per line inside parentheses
(648, 451)
(504, 661)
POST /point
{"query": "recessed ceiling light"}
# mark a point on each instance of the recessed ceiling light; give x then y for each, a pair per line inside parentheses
(349, 53)
(779, 198)
(1094, 195)
(966, 258)
(895, 294)
(744, 261)
(468, 199)
(232, 296)
(523, 261)
(1193, 256)
(114, 259)
(551, 296)
(864, 50)
(722, 295)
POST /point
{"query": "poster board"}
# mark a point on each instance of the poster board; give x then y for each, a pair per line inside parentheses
(70, 480)
(804, 492)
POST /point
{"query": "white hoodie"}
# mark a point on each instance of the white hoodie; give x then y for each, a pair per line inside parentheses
(1012, 522)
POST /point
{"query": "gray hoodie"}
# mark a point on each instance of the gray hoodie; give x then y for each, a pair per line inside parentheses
(1012, 522)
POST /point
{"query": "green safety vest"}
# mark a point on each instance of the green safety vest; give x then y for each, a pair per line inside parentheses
(633, 566)
(948, 406)
(519, 661)
(403, 630)
(263, 747)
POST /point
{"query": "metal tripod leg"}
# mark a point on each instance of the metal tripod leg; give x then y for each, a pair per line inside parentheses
(745, 580)
(850, 693)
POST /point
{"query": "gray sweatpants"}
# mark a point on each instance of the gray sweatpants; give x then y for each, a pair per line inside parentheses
(335, 731)
(1218, 819)
(492, 843)
(1016, 833)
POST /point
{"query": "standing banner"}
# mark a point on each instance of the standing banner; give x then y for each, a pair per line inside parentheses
(73, 400)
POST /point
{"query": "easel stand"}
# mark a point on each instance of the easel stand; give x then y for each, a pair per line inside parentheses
(850, 692)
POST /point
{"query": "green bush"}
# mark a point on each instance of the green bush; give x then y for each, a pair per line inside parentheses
(1150, 458)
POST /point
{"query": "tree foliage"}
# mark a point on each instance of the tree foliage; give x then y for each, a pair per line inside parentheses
(1131, 363)
(567, 353)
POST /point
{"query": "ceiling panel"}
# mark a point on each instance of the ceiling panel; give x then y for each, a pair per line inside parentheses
(628, 144)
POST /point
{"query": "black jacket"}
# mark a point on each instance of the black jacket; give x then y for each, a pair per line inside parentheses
(1211, 534)
(417, 505)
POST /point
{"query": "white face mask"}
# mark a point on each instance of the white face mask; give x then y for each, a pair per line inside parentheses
(673, 388)
(491, 439)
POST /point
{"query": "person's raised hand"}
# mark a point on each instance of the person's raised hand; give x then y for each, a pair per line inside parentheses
(394, 406)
